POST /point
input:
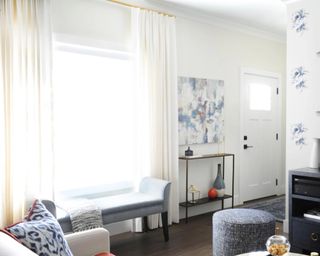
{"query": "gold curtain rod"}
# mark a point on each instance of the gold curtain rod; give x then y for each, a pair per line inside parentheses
(142, 8)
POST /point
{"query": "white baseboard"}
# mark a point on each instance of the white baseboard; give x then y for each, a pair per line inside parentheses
(286, 226)
(237, 200)
(281, 190)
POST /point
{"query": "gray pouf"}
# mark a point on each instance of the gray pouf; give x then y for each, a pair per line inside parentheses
(237, 231)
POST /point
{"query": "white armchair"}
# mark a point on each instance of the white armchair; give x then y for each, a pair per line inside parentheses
(86, 243)
(89, 242)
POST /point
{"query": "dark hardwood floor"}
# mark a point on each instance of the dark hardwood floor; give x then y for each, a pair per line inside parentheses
(189, 239)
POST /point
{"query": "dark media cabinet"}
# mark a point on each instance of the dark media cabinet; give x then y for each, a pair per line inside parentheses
(304, 195)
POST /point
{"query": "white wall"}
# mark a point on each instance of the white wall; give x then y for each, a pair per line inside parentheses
(302, 104)
(207, 51)
(92, 22)
(204, 51)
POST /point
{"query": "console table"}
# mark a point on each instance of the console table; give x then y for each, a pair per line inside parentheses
(206, 200)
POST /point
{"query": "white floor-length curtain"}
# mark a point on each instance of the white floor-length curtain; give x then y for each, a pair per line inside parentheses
(157, 114)
(25, 89)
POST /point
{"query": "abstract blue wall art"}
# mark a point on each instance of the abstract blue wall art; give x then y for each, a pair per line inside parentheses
(298, 134)
(201, 110)
(299, 21)
(298, 77)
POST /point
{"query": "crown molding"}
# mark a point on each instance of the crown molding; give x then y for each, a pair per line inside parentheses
(202, 17)
(290, 1)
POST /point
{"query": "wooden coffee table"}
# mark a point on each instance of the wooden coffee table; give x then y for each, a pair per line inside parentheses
(267, 254)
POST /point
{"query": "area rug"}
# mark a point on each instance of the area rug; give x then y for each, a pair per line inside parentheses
(276, 206)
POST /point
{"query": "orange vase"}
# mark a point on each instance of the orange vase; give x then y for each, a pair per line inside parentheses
(212, 193)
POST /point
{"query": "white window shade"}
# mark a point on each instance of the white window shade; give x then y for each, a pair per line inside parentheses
(93, 120)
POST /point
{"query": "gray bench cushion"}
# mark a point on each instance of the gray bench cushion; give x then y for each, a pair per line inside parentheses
(152, 198)
(126, 202)
(121, 207)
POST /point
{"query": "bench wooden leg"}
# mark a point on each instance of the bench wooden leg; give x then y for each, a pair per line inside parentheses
(145, 227)
(164, 217)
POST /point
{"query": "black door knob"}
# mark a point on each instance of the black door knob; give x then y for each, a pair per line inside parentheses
(245, 146)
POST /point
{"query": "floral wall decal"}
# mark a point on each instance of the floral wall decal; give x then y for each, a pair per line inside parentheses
(299, 78)
(299, 20)
(298, 134)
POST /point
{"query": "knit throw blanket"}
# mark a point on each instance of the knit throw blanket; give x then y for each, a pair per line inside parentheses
(84, 214)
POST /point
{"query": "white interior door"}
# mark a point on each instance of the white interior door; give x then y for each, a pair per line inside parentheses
(259, 158)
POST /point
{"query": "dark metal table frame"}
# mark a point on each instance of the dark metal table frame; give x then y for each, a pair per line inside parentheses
(205, 200)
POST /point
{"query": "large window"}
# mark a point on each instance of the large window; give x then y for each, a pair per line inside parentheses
(93, 120)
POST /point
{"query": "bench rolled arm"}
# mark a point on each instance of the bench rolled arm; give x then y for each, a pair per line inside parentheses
(158, 188)
(51, 207)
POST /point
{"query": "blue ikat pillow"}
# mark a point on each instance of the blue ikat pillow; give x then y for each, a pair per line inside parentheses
(41, 232)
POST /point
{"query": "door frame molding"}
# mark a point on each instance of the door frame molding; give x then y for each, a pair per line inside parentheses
(253, 71)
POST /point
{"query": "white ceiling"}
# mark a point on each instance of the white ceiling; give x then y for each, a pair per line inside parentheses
(266, 15)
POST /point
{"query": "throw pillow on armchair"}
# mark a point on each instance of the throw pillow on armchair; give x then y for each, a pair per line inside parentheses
(41, 232)
(35, 235)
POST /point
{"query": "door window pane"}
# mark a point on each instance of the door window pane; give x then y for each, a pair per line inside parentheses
(260, 97)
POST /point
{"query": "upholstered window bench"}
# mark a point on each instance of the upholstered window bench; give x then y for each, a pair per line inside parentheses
(152, 198)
